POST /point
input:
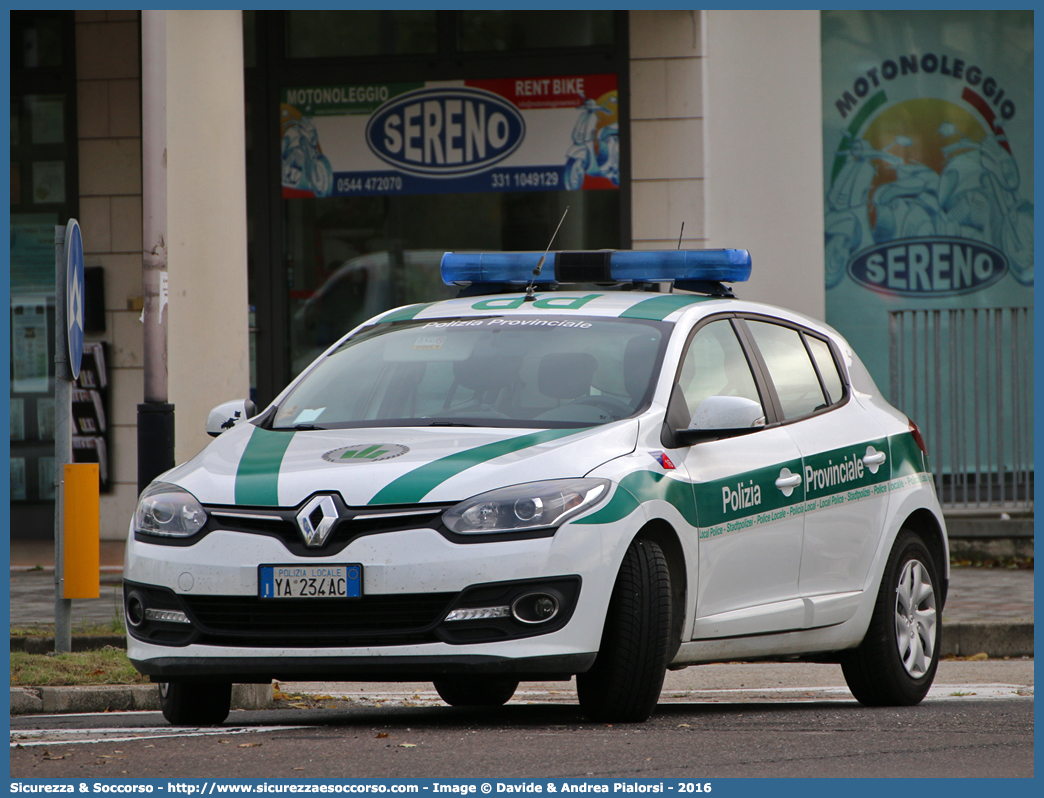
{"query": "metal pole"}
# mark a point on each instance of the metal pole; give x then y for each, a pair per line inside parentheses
(155, 415)
(62, 445)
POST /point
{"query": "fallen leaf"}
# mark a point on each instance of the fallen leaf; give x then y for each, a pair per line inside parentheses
(982, 655)
(382, 735)
(250, 745)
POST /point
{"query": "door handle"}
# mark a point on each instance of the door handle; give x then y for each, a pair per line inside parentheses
(788, 482)
(875, 459)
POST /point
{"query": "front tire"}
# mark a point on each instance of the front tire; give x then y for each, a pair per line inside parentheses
(624, 683)
(896, 662)
(476, 691)
(574, 174)
(195, 703)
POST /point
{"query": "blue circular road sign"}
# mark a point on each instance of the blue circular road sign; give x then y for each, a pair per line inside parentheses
(74, 295)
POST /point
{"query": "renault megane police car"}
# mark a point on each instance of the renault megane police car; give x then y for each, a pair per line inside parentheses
(517, 485)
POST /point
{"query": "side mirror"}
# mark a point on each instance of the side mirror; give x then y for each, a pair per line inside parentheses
(227, 415)
(722, 417)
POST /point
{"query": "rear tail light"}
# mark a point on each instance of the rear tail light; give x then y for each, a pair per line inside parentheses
(918, 438)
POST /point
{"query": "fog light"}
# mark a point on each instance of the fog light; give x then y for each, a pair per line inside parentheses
(478, 613)
(135, 610)
(171, 616)
(535, 608)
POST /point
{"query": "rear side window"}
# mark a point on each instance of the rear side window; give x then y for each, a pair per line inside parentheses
(790, 368)
(827, 369)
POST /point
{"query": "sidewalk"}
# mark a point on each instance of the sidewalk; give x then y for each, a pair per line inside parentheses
(988, 610)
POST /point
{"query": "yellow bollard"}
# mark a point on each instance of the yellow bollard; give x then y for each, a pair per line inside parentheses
(82, 531)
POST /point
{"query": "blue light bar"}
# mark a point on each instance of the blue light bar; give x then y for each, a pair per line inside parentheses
(599, 266)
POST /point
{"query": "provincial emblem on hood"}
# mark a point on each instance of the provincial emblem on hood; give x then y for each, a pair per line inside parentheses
(365, 453)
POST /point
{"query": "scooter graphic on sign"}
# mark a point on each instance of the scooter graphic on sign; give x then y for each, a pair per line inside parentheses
(595, 150)
(848, 227)
(304, 165)
(908, 207)
(979, 190)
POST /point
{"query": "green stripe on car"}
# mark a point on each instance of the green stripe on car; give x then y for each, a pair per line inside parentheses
(660, 307)
(415, 485)
(906, 456)
(639, 487)
(405, 314)
(257, 478)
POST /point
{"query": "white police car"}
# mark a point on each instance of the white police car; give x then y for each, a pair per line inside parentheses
(508, 486)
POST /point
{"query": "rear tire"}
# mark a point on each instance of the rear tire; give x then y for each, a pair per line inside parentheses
(195, 703)
(624, 683)
(896, 662)
(476, 691)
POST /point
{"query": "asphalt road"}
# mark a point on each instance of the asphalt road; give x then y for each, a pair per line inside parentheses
(713, 722)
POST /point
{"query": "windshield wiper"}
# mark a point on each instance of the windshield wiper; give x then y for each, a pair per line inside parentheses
(306, 427)
(449, 424)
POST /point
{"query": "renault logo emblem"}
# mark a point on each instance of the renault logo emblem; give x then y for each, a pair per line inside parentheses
(316, 519)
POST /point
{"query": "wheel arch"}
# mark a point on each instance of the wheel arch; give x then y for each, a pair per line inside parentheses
(923, 522)
(661, 533)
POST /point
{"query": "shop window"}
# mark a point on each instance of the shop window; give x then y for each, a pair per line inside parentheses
(348, 34)
(485, 31)
(409, 140)
(37, 40)
(43, 195)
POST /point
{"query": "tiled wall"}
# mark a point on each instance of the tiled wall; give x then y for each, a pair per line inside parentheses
(109, 123)
(667, 129)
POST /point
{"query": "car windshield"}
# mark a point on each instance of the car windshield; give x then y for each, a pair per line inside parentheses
(523, 371)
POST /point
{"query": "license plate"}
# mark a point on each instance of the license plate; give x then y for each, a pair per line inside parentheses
(309, 581)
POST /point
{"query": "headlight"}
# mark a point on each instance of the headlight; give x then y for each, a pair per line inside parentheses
(534, 505)
(168, 510)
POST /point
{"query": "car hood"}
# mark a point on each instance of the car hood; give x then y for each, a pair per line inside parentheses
(252, 466)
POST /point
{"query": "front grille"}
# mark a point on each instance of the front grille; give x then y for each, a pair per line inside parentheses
(269, 623)
(352, 523)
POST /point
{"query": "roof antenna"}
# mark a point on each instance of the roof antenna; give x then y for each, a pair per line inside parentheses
(530, 297)
(680, 234)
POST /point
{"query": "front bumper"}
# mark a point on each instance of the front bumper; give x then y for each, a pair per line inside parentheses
(215, 583)
(247, 670)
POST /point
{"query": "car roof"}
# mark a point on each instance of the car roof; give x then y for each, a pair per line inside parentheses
(673, 307)
(607, 304)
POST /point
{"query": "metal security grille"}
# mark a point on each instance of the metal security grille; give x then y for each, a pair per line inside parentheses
(965, 375)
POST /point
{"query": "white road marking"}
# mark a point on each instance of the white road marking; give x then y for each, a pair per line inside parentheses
(27, 738)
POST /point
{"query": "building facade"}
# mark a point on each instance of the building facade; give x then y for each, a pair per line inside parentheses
(318, 163)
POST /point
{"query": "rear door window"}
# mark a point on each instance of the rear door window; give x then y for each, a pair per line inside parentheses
(790, 368)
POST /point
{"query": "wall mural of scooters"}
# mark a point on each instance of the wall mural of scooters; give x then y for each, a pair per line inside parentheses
(935, 172)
